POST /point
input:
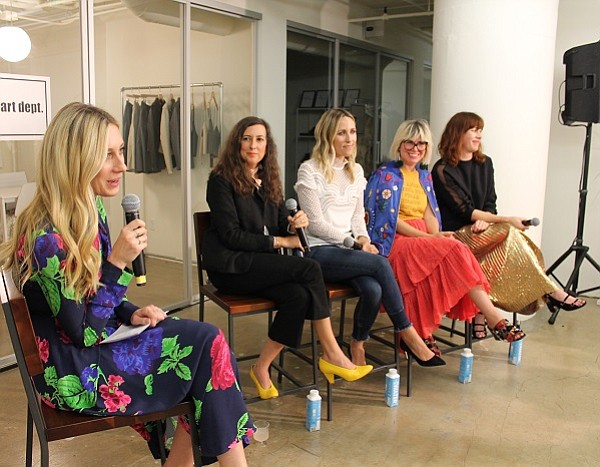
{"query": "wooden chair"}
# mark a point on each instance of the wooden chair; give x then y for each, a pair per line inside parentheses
(52, 424)
(237, 306)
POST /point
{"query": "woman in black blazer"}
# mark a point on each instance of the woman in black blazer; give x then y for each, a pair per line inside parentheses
(249, 224)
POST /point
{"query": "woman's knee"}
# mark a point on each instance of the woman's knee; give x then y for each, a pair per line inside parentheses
(369, 290)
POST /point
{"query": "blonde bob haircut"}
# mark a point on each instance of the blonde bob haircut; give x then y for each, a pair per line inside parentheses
(324, 150)
(73, 151)
(411, 130)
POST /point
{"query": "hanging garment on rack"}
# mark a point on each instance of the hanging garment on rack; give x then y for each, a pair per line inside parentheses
(214, 133)
(132, 143)
(175, 139)
(126, 125)
(141, 138)
(165, 138)
(154, 159)
(198, 120)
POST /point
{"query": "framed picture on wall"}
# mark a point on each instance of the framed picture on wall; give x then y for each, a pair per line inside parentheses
(322, 99)
(307, 99)
(351, 96)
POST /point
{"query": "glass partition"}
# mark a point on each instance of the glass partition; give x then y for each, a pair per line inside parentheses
(56, 54)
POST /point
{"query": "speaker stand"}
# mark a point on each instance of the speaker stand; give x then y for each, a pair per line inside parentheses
(580, 250)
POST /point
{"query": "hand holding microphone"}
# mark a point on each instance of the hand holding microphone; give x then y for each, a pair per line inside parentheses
(292, 206)
(350, 242)
(131, 206)
(533, 222)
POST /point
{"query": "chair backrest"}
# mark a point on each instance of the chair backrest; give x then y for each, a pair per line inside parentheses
(12, 179)
(19, 326)
(201, 224)
(25, 196)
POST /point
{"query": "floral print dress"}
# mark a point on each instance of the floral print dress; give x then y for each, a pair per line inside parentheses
(157, 369)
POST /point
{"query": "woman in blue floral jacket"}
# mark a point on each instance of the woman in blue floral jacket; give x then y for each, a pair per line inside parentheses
(74, 281)
(437, 274)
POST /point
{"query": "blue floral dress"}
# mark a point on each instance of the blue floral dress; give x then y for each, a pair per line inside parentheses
(155, 370)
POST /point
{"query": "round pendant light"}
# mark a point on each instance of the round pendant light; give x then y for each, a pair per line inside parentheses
(15, 43)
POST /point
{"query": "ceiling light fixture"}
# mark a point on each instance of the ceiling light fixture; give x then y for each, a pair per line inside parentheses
(15, 43)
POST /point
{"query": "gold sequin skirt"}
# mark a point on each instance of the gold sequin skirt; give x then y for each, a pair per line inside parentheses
(513, 265)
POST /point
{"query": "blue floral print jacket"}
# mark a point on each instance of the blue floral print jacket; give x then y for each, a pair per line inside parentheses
(382, 201)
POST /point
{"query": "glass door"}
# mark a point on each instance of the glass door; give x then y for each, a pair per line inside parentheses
(309, 94)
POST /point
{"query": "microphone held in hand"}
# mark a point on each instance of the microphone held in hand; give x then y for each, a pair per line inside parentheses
(292, 206)
(531, 222)
(131, 205)
(350, 242)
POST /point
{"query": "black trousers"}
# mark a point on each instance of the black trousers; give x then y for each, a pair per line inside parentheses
(295, 284)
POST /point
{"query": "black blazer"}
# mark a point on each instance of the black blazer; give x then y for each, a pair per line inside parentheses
(240, 227)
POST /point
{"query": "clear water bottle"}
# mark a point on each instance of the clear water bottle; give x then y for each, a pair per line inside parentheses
(466, 366)
(392, 387)
(313, 411)
(514, 352)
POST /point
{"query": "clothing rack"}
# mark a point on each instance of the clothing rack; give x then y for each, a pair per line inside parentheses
(214, 101)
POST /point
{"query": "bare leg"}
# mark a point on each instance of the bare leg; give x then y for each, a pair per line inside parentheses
(331, 350)
(181, 450)
(416, 344)
(261, 368)
(235, 457)
(357, 349)
(485, 305)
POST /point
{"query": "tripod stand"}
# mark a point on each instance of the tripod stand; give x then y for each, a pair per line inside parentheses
(580, 250)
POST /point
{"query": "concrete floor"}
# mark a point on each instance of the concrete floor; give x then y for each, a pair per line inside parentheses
(544, 412)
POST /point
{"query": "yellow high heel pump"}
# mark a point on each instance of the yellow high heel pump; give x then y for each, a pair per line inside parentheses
(330, 371)
(264, 394)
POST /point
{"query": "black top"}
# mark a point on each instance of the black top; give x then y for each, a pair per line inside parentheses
(239, 227)
(462, 189)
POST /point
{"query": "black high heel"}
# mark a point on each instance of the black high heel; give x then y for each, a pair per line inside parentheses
(433, 361)
(563, 304)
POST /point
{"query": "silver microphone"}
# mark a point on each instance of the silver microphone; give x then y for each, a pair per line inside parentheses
(531, 222)
(350, 242)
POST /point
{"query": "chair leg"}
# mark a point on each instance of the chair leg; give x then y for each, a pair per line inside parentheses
(452, 328)
(195, 441)
(161, 441)
(201, 308)
(29, 440)
(329, 403)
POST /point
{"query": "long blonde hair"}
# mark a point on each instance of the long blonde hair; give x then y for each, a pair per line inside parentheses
(324, 151)
(72, 153)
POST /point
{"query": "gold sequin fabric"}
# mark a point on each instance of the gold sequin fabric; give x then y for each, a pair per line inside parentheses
(513, 265)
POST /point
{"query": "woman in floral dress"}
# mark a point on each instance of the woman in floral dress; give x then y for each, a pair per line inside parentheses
(74, 281)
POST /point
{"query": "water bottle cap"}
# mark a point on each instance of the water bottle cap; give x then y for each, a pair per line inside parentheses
(392, 371)
(314, 392)
(467, 351)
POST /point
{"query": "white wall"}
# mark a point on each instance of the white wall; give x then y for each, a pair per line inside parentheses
(577, 25)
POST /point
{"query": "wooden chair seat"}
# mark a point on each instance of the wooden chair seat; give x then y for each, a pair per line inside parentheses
(237, 304)
(53, 424)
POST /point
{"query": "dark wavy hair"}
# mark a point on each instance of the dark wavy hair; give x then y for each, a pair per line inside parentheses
(232, 167)
(457, 126)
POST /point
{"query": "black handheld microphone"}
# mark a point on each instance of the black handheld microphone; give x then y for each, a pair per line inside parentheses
(531, 222)
(131, 205)
(292, 206)
(350, 242)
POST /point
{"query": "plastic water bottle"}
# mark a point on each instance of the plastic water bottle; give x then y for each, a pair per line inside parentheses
(466, 366)
(392, 387)
(514, 352)
(313, 411)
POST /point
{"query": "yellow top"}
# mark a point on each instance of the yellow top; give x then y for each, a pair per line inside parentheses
(413, 201)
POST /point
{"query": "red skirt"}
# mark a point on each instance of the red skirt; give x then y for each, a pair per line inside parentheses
(435, 275)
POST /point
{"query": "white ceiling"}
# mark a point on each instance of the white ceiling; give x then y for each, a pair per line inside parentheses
(40, 12)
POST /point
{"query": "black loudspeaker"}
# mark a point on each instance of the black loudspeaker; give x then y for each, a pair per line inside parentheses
(582, 92)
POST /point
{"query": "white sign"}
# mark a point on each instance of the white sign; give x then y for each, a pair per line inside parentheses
(24, 106)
